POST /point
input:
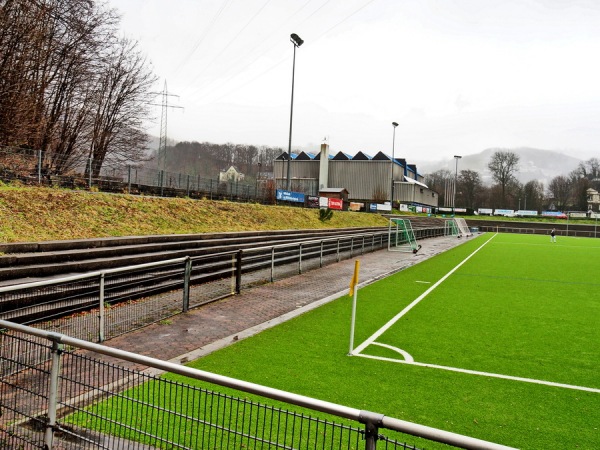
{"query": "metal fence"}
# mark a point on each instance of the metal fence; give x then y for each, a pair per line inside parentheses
(575, 231)
(100, 305)
(47, 169)
(74, 401)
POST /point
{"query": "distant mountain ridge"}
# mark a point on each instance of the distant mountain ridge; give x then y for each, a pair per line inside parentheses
(534, 164)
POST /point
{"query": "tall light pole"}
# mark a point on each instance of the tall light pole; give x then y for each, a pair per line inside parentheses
(394, 124)
(295, 39)
(456, 157)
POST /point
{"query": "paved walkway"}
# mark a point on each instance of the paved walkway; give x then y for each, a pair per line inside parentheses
(202, 330)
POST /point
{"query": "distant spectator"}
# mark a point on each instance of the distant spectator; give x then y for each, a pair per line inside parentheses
(553, 235)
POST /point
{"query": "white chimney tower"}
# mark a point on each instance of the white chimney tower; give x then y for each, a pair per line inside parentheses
(324, 166)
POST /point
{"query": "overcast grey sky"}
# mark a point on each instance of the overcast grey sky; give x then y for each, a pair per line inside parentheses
(458, 76)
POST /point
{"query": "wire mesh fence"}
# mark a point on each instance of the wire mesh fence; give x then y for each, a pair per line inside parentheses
(72, 400)
(78, 172)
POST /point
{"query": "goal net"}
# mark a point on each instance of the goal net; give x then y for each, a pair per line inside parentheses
(401, 236)
(463, 227)
(451, 228)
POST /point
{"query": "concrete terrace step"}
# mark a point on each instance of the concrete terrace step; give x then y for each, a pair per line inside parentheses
(59, 257)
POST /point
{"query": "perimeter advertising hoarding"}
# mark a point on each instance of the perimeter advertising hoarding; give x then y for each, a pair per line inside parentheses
(335, 203)
(288, 196)
(312, 201)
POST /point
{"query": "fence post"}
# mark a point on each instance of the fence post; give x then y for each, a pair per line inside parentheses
(238, 272)
(90, 173)
(39, 167)
(372, 423)
(186, 284)
(338, 250)
(272, 264)
(321, 256)
(362, 251)
(300, 259)
(351, 246)
(57, 350)
(188, 186)
(129, 179)
(211, 188)
(101, 316)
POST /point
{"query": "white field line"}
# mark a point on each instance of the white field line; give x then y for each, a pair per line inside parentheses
(487, 374)
(397, 317)
(405, 354)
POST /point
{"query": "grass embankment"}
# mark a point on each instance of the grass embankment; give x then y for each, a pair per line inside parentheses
(33, 214)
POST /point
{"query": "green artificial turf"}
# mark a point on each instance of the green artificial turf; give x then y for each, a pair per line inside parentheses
(520, 306)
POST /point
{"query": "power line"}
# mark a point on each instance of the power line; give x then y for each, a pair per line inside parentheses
(206, 31)
(224, 81)
(231, 41)
(286, 58)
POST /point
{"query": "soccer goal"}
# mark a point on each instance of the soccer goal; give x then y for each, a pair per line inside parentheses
(401, 236)
(463, 227)
(451, 228)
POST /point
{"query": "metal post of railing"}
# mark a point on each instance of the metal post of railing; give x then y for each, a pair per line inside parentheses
(238, 272)
(162, 182)
(57, 349)
(90, 173)
(338, 250)
(129, 179)
(186, 284)
(272, 264)
(351, 245)
(300, 259)
(372, 423)
(188, 187)
(101, 317)
(321, 255)
(362, 251)
(39, 167)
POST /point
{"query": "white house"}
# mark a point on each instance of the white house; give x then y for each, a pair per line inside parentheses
(231, 175)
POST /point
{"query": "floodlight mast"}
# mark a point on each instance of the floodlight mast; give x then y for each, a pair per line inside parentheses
(456, 157)
(394, 124)
(297, 41)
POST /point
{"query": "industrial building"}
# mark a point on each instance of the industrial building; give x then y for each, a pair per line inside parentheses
(368, 179)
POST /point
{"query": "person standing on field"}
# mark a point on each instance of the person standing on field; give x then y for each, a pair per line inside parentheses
(553, 235)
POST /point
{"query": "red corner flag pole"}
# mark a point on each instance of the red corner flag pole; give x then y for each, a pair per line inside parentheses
(353, 291)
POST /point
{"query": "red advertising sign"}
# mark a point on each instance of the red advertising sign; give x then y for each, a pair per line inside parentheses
(335, 203)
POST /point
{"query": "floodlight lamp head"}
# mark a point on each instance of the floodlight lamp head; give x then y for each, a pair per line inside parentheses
(296, 40)
(395, 124)
(457, 156)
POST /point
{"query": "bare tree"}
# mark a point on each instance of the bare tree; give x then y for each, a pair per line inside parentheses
(57, 61)
(121, 104)
(441, 181)
(559, 190)
(469, 185)
(503, 166)
(533, 195)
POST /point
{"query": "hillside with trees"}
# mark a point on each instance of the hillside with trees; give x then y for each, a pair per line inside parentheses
(206, 159)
